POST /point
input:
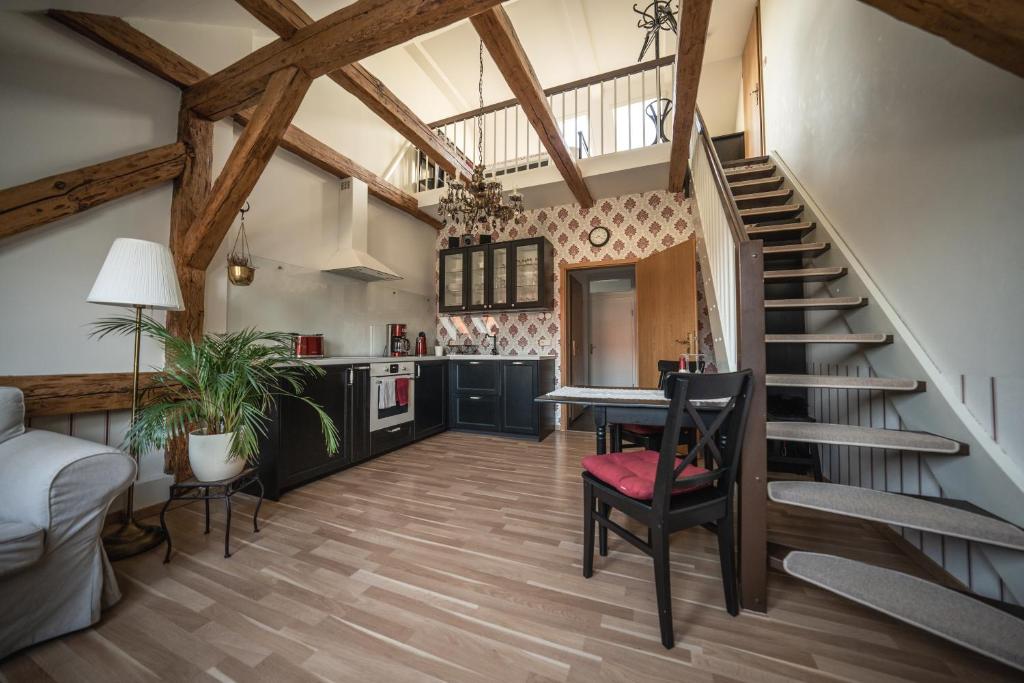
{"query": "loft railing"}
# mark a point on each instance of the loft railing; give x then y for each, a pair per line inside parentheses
(623, 109)
(734, 286)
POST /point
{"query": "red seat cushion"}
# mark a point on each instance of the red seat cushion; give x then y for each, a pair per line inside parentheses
(633, 473)
(644, 429)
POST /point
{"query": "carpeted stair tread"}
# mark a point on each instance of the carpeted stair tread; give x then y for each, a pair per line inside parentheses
(771, 195)
(748, 161)
(823, 303)
(805, 274)
(756, 185)
(892, 508)
(780, 231)
(867, 437)
(769, 213)
(928, 606)
(840, 382)
(869, 338)
(800, 249)
(749, 172)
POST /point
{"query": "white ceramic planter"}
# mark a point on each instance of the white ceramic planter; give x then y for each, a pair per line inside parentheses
(209, 456)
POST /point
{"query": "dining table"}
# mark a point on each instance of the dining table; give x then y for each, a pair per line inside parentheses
(615, 406)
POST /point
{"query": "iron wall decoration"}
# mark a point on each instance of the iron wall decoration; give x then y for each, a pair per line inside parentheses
(478, 205)
(658, 16)
(241, 271)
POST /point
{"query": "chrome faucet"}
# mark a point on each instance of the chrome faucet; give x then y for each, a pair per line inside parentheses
(494, 344)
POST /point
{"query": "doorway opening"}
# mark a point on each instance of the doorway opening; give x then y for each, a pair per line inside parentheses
(601, 334)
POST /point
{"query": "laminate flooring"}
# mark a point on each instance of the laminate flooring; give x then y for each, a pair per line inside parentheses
(458, 559)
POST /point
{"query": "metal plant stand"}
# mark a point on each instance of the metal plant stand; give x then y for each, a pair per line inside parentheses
(192, 489)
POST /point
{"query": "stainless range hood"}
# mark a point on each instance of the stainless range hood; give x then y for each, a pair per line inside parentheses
(350, 257)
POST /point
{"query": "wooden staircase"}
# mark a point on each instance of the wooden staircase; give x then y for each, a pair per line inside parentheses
(772, 213)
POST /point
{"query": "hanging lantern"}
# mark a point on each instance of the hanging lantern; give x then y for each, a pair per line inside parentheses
(241, 271)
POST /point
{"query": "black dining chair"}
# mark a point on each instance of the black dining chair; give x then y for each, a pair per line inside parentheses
(648, 437)
(667, 493)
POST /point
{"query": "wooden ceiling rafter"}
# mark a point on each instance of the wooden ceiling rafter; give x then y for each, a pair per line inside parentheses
(694, 17)
(343, 37)
(992, 30)
(118, 36)
(43, 201)
(496, 30)
(250, 155)
(285, 17)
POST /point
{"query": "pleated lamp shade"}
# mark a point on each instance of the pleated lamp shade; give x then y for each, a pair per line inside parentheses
(138, 273)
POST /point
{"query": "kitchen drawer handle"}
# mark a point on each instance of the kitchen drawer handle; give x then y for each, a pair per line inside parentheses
(474, 362)
(518, 362)
(474, 398)
(394, 429)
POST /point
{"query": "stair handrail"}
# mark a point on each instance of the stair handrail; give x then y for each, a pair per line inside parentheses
(735, 265)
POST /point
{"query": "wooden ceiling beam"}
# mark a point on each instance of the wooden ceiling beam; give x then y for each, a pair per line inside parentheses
(65, 194)
(245, 164)
(992, 30)
(496, 30)
(121, 38)
(693, 31)
(285, 17)
(342, 37)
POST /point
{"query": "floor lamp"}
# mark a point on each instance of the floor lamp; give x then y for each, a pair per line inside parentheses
(138, 274)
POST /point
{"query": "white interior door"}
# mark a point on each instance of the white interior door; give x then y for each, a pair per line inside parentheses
(612, 339)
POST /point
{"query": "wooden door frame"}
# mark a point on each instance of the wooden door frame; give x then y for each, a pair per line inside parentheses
(563, 309)
(756, 19)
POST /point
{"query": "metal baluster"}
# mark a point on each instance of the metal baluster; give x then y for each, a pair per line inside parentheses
(602, 116)
(643, 106)
(517, 136)
(615, 114)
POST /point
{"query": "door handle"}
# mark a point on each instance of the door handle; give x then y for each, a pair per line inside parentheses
(574, 347)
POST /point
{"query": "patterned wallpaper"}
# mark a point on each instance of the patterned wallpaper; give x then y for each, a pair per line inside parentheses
(640, 225)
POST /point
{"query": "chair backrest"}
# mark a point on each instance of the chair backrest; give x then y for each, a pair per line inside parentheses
(664, 368)
(720, 427)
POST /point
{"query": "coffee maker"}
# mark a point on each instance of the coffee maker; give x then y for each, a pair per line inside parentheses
(398, 343)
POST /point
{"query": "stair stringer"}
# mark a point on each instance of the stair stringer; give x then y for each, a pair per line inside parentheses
(988, 477)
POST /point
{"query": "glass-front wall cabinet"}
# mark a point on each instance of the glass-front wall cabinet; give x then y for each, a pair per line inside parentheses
(498, 276)
(452, 281)
(478, 278)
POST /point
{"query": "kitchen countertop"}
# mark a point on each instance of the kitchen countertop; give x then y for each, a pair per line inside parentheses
(349, 360)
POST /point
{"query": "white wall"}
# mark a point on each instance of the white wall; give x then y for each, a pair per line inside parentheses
(66, 103)
(915, 150)
(718, 95)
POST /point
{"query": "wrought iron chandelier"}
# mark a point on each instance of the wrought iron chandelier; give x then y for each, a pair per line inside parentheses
(479, 204)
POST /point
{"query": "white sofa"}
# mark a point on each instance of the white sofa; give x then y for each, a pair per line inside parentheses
(54, 493)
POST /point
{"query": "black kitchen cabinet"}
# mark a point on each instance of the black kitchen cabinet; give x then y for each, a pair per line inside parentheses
(519, 413)
(359, 413)
(498, 396)
(431, 396)
(476, 376)
(532, 274)
(478, 412)
(293, 451)
(501, 276)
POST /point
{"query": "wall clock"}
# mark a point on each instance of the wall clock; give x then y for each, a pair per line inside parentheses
(599, 236)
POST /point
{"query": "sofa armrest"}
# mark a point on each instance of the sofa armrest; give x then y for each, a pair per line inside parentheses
(12, 413)
(58, 482)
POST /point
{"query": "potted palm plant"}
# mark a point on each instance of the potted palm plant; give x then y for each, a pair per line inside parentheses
(218, 392)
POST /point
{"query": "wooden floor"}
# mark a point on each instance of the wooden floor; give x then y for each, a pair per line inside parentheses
(458, 559)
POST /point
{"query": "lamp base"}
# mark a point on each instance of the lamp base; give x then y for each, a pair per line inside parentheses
(131, 538)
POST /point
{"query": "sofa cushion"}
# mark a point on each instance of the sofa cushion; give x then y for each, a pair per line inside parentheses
(633, 473)
(21, 546)
(12, 413)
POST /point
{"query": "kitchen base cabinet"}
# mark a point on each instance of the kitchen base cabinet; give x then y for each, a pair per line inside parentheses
(359, 414)
(293, 451)
(431, 398)
(477, 412)
(498, 396)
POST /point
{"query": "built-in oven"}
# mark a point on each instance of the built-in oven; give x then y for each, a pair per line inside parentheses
(392, 394)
